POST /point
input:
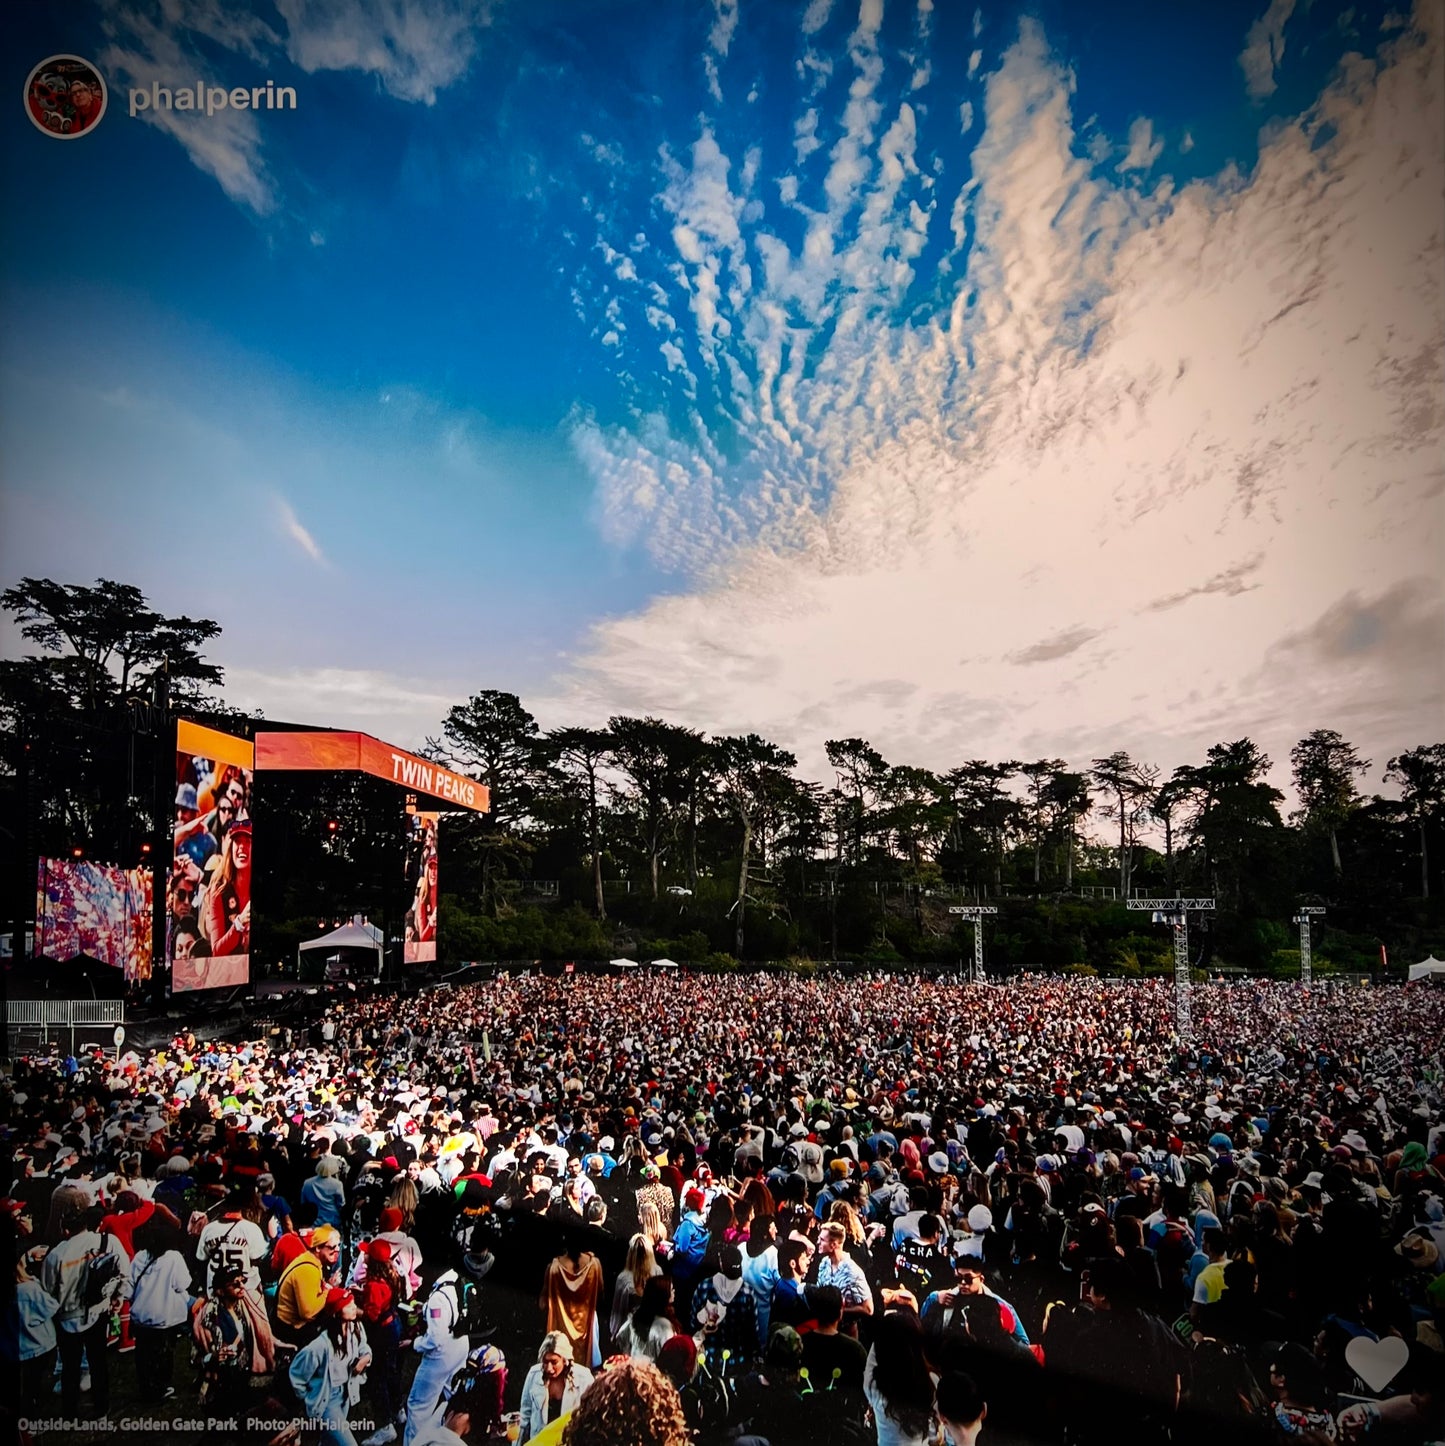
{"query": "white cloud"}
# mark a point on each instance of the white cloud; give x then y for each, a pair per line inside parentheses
(225, 146)
(805, 135)
(965, 117)
(1172, 475)
(1144, 150)
(725, 22)
(399, 709)
(1186, 144)
(815, 17)
(293, 528)
(707, 234)
(414, 50)
(1264, 48)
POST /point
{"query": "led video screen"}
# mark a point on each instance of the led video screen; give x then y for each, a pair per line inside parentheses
(95, 909)
(420, 945)
(208, 894)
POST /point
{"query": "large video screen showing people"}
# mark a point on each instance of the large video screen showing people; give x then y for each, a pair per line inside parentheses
(420, 944)
(208, 895)
(96, 909)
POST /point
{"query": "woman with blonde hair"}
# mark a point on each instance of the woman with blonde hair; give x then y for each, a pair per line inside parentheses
(855, 1241)
(403, 1196)
(553, 1386)
(640, 1267)
(650, 1224)
(226, 910)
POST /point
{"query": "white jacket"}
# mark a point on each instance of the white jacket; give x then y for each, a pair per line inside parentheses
(442, 1355)
(63, 1275)
(534, 1397)
(159, 1290)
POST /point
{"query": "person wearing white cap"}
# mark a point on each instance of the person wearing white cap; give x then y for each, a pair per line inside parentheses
(980, 1222)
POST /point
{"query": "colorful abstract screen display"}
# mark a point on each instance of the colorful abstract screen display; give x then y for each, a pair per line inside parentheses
(208, 895)
(420, 946)
(95, 909)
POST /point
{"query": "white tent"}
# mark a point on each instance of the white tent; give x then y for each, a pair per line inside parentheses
(1431, 968)
(356, 935)
(625, 964)
(665, 964)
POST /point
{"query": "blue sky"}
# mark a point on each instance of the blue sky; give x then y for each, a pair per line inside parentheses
(985, 381)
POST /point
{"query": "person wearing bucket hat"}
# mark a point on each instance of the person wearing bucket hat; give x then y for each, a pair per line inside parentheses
(235, 1338)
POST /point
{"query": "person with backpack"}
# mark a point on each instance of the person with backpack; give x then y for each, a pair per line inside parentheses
(689, 1247)
(84, 1273)
(442, 1347)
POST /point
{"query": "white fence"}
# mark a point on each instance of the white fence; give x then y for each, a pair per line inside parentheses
(34, 1023)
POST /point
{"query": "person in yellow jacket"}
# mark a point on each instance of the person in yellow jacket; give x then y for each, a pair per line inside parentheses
(303, 1283)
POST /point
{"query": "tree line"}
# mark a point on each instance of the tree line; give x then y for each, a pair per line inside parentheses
(645, 833)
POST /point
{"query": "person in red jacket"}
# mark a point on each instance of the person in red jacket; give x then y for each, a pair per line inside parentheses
(226, 912)
(381, 1292)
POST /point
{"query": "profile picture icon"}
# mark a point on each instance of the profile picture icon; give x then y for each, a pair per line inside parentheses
(65, 97)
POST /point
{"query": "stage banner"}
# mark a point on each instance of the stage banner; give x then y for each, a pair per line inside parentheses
(420, 946)
(95, 909)
(208, 894)
(361, 753)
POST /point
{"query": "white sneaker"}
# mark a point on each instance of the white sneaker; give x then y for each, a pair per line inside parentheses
(381, 1437)
(84, 1382)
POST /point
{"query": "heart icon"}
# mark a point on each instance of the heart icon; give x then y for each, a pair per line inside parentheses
(1377, 1363)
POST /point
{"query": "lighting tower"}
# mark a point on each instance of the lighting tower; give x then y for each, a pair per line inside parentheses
(1306, 913)
(974, 913)
(1175, 913)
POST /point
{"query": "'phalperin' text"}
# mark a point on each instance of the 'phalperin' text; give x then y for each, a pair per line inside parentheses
(208, 99)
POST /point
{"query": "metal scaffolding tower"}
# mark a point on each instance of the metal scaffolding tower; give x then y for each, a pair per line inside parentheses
(1175, 913)
(1306, 913)
(974, 913)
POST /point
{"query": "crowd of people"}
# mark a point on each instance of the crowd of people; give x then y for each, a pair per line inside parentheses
(702, 1209)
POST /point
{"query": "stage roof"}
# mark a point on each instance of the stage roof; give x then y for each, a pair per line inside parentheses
(361, 753)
